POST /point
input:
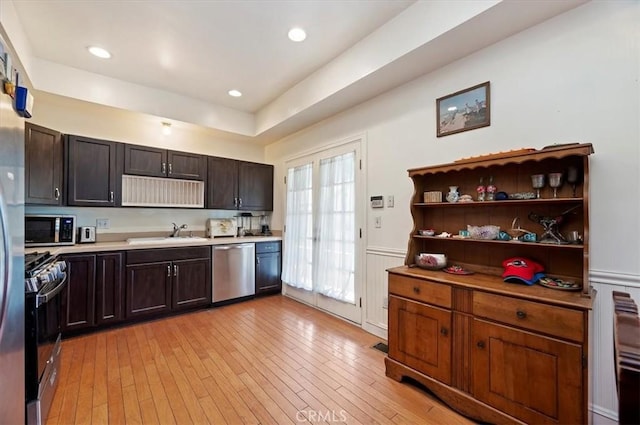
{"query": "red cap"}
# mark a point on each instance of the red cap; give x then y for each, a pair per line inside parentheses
(519, 269)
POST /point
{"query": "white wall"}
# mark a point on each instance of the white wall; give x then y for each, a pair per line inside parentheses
(572, 78)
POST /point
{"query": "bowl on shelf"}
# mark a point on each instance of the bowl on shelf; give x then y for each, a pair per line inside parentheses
(426, 232)
(429, 261)
(486, 232)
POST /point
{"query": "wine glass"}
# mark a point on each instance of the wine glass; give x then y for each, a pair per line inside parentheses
(537, 181)
(555, 181)
(572, 178)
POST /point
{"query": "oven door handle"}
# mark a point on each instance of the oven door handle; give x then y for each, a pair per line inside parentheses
(44, 298)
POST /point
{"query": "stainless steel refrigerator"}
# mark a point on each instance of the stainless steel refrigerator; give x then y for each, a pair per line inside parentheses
(12, 376)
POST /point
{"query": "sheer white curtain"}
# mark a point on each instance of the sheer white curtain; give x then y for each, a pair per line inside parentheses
(336, 228)
(298, 237)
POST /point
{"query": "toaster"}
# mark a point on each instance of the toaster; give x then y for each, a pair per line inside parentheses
(222, 227)
(86, 234)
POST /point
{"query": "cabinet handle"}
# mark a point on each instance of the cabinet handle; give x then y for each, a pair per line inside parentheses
(169, 271)
(56, 193)
(257, 260)
(235, 202)
(521, 314)
(175, 270)
(480, 344)
(240, 202)
(416, 289)
(111, 196)
(164, 167)
(444, 331)
(170, 170)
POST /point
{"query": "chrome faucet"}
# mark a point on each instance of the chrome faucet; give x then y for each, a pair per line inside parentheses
(176, 230)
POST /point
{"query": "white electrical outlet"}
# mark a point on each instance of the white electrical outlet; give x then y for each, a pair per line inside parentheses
(377, 222)
(102, 223)
(390, 201)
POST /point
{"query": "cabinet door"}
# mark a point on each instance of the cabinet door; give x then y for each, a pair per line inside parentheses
(255, 186)
(534, 378)
(145, 161)
(191, 283)
(183, 165)
(91, 173)
(222, 183)
(268, 272)
(43, 165)
(148, 289)
(420, 337)
(78, 299)
(109, 296)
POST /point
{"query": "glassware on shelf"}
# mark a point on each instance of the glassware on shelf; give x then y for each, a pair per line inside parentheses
(453, 195)
(491, 190)
(481, 190)
(537, 181)
(572, 178)
(555, 181)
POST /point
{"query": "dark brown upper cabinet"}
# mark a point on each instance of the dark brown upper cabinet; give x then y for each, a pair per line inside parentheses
(93, 172)
(43, 165)
(155, 162)
(239, 185)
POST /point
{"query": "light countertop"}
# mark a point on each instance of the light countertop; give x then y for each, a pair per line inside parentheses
(124, 246)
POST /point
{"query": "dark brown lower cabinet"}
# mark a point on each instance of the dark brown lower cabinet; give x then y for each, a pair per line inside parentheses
(93, 295)
(78, 299)
(109, 278)
(163, 280)
(268, 268)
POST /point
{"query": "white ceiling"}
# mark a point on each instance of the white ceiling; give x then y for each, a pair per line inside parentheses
(197, 50)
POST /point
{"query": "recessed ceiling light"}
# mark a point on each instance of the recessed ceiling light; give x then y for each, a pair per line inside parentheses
(235, 93)
(99, 52)
(297, 34)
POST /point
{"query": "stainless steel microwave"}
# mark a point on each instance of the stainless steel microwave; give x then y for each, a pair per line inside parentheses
(47, 230)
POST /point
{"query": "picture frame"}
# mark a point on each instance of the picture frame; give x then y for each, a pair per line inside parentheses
(464, 110)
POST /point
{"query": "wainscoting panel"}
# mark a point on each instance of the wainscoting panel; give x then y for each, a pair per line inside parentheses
(603, 384)
(378, 261)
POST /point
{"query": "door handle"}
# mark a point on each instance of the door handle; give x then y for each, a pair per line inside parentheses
(56, 193)
(521, 314)
(444, 331)
(170, 169)
(111, 196)
(164, 168)
(175, 270)
(169, 270)
(416, 290)
(235, 202)
(480, 344)
(240, 202)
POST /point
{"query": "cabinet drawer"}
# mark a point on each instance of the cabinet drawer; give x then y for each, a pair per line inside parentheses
(420, 290)
(551, 320)
(262, 247)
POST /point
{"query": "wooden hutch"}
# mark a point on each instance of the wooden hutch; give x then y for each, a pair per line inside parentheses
(494, 351)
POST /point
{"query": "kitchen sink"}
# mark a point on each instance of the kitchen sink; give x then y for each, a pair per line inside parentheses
(164, 240)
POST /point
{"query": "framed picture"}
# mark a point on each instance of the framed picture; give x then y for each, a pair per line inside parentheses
(463, 110)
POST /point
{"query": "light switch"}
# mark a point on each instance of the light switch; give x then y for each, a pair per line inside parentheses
(102, 223)
(378, 222)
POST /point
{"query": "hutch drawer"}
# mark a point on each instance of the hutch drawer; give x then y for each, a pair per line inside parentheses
(420, 290)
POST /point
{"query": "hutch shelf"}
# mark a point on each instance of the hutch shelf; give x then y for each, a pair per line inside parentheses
(497, 352)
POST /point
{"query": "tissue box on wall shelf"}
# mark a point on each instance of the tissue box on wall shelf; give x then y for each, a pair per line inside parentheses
(23, 102)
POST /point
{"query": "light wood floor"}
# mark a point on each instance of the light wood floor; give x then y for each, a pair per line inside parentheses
(267, 361)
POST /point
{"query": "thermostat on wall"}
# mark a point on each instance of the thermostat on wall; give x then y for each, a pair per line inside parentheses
(377, 202)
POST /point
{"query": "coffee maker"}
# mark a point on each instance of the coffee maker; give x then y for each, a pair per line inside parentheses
(264, 226)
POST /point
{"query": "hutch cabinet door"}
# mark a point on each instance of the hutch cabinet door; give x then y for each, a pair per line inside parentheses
(92, 174)
(191, 283)
(222, 183)
(43, 165)
(420, 337)
(255, 186)
(183, 165)
(148, 289)
(533, 378)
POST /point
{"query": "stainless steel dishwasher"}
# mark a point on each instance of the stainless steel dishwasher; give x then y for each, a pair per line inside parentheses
(234, 271)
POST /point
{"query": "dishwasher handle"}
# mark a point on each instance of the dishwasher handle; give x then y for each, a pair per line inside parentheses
(233, 246)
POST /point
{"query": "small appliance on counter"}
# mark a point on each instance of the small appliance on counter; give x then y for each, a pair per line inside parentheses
(86, 234)
(222, 227)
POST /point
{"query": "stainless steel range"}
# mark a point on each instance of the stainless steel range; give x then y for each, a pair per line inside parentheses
(45, 278)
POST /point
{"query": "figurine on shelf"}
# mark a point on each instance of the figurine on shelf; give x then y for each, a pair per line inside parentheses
(481, 190)
(550, 224)
(491, 190)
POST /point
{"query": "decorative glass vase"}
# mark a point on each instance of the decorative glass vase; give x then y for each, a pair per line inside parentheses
(453, 195)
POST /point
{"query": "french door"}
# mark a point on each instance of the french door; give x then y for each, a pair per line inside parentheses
(322, 239)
